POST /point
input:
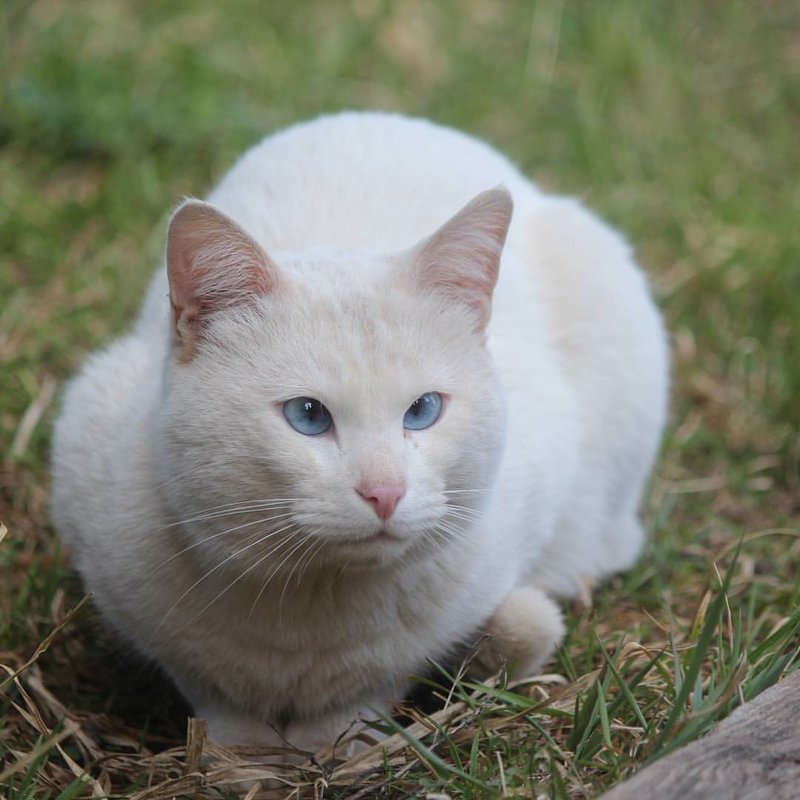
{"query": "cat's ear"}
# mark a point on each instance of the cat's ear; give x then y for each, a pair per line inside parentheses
(461, 259)
(212, 265)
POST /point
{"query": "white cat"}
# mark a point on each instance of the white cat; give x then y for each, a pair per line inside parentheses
(345, 450)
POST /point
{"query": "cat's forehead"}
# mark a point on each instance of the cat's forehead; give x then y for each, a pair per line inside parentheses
(360, 302)
(363, 333)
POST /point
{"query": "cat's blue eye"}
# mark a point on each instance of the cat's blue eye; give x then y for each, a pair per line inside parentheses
(307, 415)
(423, 412)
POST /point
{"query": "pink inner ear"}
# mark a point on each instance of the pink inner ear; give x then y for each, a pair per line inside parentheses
(212, 265)
(461, 260)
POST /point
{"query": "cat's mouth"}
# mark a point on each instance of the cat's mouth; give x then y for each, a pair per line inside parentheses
(379, 537)
(372, 544)
(384, 536)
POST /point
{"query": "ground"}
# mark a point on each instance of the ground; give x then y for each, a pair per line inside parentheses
(677, 121)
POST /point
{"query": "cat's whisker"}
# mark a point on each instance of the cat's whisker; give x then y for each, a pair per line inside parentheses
(312, 548)
(241, 576)
(200, 469)
(275, 572)
(343, 568)
(470, 517)
(314, 554)
(450, 527)
(468, 509)
(214, 569)
(431, 539)
(253, 508)
(467, 520)
(204, 513)
(224, 533)
(250, 501)
(470, 521)
(441, 537)
(463, 513)
(235, 503)
(296, 566)
(451, 530)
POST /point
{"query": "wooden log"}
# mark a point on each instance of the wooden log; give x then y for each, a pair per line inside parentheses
(753, 754)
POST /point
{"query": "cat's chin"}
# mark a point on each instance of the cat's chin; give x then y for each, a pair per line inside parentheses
(379, 547)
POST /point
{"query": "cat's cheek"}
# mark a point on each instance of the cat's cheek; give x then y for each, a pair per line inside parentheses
(307, 459)
(473, 460)
(411, 438)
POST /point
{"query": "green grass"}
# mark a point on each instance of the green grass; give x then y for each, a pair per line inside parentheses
(677, 121)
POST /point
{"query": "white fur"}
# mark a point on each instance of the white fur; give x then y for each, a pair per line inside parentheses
(549, 433)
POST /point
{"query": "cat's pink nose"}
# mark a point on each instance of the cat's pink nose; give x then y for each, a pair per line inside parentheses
(383, 499)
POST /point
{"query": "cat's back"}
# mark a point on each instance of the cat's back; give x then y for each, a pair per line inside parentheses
(360, 181)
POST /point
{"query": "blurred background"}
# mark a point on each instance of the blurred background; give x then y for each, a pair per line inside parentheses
(678, 122)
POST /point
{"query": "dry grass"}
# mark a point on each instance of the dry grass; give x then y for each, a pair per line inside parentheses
(625, 709)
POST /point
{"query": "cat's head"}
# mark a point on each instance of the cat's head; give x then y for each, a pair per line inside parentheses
(331, 406)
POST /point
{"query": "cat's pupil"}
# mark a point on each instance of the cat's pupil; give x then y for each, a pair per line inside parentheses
(307, 415)
(423, 412)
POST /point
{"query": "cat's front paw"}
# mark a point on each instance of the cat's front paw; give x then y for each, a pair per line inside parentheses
(344, 734)
(520, 636)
